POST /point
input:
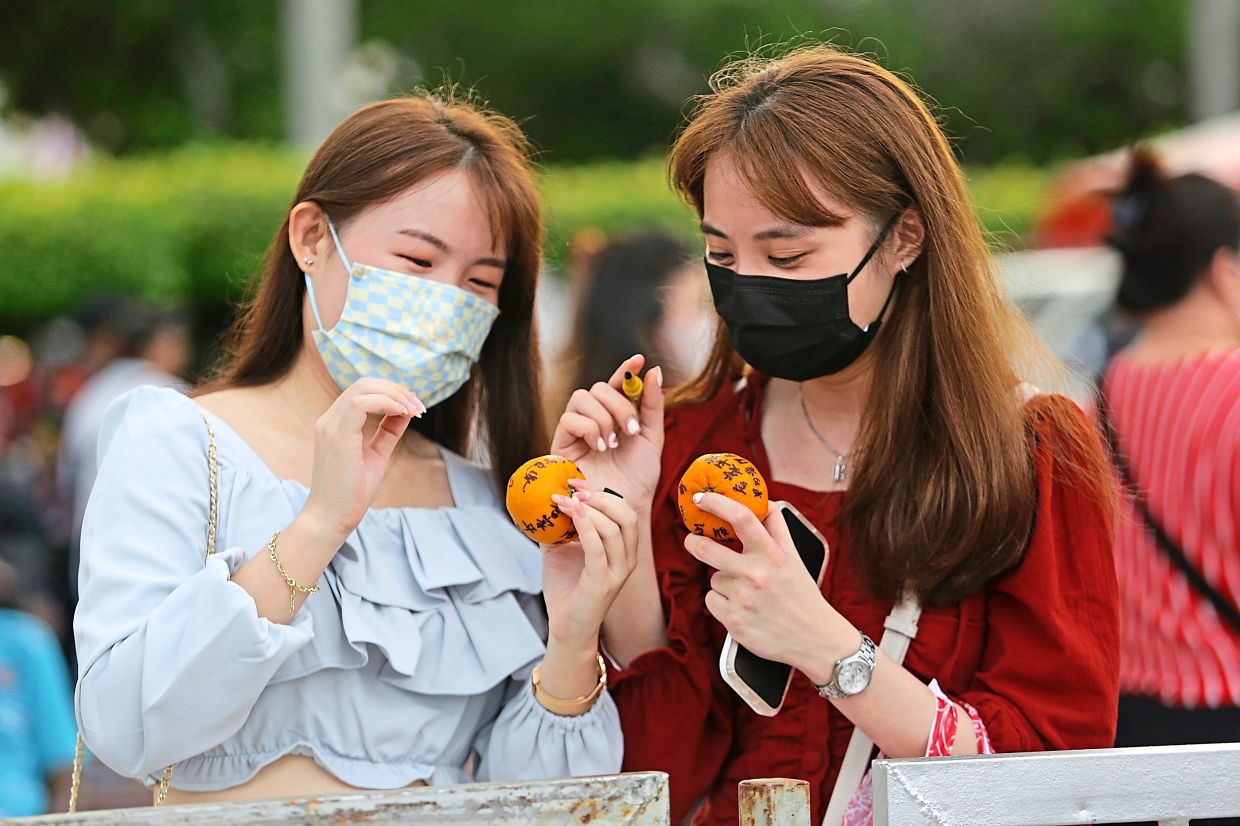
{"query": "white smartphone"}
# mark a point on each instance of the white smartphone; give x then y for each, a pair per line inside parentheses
(762, 683)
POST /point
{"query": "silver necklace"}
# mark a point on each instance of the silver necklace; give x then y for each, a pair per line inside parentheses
(841, 459)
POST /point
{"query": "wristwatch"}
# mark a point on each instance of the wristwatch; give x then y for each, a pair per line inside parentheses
(852, 674)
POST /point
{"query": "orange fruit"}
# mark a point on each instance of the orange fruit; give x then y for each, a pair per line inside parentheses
(727, 474)
(529, 498)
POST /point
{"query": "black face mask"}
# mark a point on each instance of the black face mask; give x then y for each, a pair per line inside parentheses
(793, 329)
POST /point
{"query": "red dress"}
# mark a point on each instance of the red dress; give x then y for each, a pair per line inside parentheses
(1035, 652)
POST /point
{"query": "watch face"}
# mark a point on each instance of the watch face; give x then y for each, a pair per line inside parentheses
(853, 677)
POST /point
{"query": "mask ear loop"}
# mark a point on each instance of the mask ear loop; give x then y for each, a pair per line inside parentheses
(314, 304)
(878, 242)
(895, 285)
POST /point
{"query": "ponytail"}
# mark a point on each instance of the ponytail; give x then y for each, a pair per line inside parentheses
(1166, 231)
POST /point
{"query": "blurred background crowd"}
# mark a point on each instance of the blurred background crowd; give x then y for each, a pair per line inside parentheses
(148, 149)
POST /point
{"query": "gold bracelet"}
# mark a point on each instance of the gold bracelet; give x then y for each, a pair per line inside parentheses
(574, 707)
(293, 587)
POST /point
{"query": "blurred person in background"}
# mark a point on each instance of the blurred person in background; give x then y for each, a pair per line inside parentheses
(643, 294)
(36, 711)
(152, 348)
(1172, 402)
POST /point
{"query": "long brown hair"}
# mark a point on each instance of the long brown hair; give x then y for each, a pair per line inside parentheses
(944, 496)
(374, 155)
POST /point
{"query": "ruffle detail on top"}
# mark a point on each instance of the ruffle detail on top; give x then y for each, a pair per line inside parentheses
(449, 597)
(447, 613)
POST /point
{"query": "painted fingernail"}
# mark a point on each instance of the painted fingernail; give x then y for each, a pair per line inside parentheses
(577, 483)
(602, 446)
(613, 440)
(634, 427)
(560, 499)
(583, 495)
(697, 497)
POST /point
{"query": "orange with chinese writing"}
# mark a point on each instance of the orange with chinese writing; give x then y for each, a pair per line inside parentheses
(723, 473)
(529, 498)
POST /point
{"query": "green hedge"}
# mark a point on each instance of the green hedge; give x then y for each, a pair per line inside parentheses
(191, 225)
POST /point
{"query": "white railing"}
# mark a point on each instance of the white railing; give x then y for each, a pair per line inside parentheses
(1168, 784)
(622, 800)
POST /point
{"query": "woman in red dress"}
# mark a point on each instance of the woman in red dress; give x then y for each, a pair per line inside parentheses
(886, 405)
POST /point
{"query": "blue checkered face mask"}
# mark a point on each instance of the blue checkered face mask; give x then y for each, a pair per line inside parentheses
(418, 333)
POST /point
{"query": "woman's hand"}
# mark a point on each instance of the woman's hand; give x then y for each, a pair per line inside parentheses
(348, 468)
(582, 578)
(616, 444)
(766, 597)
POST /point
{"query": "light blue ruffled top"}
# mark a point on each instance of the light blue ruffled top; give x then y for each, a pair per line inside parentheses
(414, 655)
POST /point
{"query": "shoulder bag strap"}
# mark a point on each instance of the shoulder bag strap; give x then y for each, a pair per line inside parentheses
(213, 473)
(900, 631)
(1224, 607)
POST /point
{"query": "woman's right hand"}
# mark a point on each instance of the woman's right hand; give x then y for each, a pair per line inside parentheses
(597, 433)
(349, 468)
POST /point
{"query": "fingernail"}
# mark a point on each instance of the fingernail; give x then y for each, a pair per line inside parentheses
(697, 497)
(577, 483)
(658, 376)
(602, 446)
(613, 440)
(583, 495)
(559, 498)
(634, 427)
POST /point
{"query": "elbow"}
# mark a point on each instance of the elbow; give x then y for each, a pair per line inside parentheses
(123, 753)
(114, 734)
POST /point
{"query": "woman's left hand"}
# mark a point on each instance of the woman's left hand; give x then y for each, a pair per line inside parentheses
(582, 578)
(765, 596)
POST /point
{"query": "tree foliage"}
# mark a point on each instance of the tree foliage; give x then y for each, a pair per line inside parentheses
(1034, 79)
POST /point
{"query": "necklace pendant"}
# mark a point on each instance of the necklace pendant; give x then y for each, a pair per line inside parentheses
(838, 472)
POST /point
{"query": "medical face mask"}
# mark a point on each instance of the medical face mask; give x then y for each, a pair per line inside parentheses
(421, 334)
(791, 328)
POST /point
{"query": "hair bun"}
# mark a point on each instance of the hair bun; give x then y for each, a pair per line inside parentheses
(1146, 183)
(1167, 230)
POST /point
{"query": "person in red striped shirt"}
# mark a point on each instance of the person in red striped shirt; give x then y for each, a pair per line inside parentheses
(1173, 401)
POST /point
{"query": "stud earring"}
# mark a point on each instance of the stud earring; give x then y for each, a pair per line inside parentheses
(308, 260)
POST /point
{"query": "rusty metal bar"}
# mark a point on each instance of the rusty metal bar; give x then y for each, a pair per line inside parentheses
(621, 800)
(774, 801)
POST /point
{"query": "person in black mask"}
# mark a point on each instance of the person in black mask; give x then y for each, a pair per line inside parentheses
(869, 366)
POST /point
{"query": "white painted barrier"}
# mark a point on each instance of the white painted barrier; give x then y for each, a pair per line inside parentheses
(621, 800)
(1166, 784)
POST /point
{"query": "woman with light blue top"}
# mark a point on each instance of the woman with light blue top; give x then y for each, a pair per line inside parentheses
(371, 619)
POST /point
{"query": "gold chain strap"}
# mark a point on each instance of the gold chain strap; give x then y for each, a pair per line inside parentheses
(213, 473)
(77, 775)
